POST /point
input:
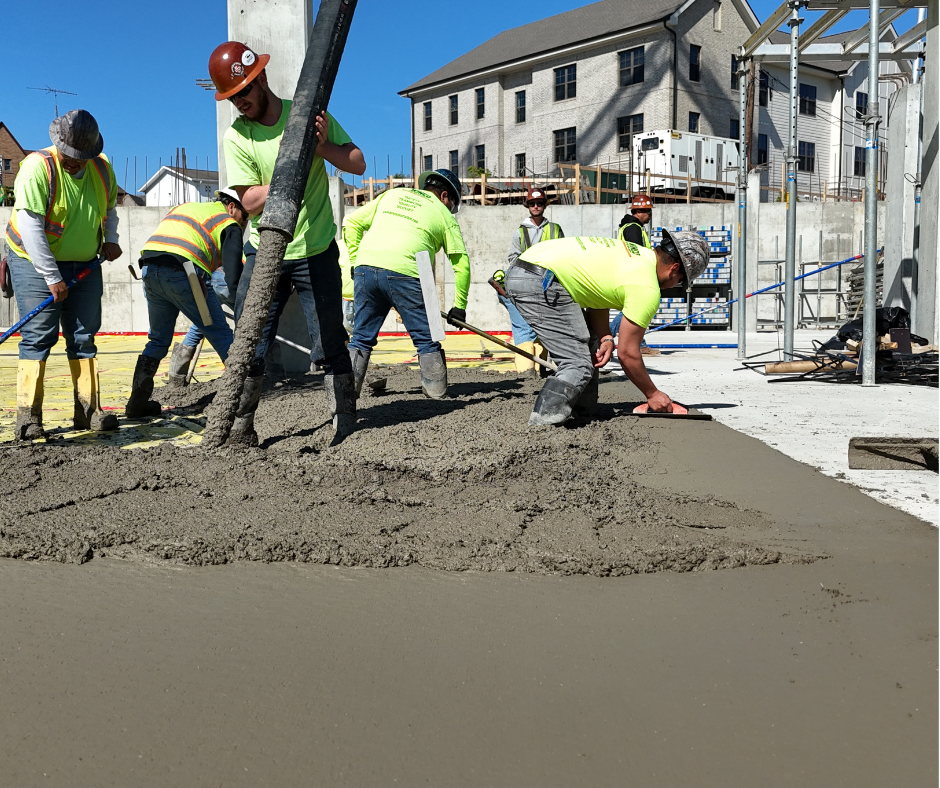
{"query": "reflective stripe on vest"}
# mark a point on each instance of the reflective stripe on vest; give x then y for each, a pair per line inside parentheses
(646, 238)
(56, 208)
(193, 231)
(550, 233)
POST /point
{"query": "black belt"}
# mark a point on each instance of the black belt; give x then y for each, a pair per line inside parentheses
(535, 269)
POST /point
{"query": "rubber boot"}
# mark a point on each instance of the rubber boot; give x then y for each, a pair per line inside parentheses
(29, 393)
(243, 433)
(554, 403)
(542, 353)
(180, 360)
(433, 374)
(139, 405)
(360, 365)
(88, 412)
(524, 367)
(586, 404)
(341, 399)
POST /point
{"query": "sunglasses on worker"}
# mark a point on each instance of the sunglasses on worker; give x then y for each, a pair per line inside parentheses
(537, 202)
(243, 93)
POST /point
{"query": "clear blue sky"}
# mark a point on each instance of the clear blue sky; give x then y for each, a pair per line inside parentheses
(141, 85)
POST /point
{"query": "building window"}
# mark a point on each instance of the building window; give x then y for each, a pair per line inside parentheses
(808, 100)
(735, 80)
(520, 107)
(427, 116)
(565, 145)
(859, 165)
(481, 107)
(693, 122)
(480, 152)
(626, 128)
(861, 105)
(520, 165)
(454, 161)
(806, 157)
(428, 162)
(566, 83)
(453, 110)
(763, 90)
(631, 67)
(735, 129)
(761, 148)
(695, 63)
(7, 164)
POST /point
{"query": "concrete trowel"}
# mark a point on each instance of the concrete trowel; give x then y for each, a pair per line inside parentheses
(679, 411)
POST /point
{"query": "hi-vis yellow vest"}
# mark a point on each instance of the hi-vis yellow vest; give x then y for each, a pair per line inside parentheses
(646, 238)
(56, 208)
(550, 233)
(193, 230)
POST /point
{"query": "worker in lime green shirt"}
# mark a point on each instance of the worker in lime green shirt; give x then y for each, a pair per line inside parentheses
(565, 291)
(401, 223)
(311, 262)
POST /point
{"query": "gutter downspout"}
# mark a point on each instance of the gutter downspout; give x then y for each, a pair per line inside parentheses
(413, 175)
(842, 99)
(670, 24)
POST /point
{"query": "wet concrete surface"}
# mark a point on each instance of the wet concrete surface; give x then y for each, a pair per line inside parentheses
(810, 658)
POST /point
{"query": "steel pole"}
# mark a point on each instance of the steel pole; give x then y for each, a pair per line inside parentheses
(740, 261)
(872, 119)
(789, 273)
(918, 192)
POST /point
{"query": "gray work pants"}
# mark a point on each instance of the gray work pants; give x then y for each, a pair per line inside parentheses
(558, 321)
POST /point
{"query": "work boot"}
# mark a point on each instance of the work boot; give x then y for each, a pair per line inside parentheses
(243, 433)
(180, 360)
(341, 399)
(646, 350)
(360, 365)
(139, 405)
(586, 403)
(29, 392)
(554, 403)
(525, 367)
(433, 374)
(541, 353)
(88, 412)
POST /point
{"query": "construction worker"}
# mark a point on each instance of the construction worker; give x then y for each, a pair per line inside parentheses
(63, 220)
(192, 242)
(551, 284)
(534, 228)
(401, 223)
(310, 264)
(632, 230)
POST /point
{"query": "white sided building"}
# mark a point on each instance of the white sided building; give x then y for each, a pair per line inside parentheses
(171, 186)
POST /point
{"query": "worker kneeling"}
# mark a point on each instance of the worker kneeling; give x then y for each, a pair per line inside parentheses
(192, 241)
(550, 285)
(400, 224)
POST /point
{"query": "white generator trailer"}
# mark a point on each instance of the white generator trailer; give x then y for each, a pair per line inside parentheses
(691, 159)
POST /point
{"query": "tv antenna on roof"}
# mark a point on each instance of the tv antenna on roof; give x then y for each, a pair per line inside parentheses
(55, 93)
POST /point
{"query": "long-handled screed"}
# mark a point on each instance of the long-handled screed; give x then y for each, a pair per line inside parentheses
(500, 342)
(29, 316)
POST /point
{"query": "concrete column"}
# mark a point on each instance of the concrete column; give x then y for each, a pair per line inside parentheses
(925, 286)
(754, 209)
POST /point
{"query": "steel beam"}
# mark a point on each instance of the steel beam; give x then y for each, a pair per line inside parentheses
(885, 18)
(915, 34)
(780, 53)
(820, 26)
(760, 35)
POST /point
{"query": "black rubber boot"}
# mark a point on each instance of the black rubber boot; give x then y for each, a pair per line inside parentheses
(243, 433)
(180, 360)
(554, 403)
(586, 404)
(433, 374)
(139, 405)
(341, 399)
(360, 365)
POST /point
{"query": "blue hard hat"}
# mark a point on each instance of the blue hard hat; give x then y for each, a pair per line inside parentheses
(448, 180)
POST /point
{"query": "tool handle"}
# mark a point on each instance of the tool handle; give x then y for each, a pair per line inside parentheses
(500, 342)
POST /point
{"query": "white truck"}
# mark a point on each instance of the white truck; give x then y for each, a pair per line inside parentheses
(688, 158)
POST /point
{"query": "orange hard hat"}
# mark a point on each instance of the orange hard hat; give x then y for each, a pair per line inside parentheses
(232, 66)
(641, 203)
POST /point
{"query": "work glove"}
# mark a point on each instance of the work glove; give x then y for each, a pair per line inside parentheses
(456, 314)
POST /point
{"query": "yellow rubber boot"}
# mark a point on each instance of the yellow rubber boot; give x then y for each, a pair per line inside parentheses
(523, 366)
(88, 413)
(29, 392)
(542, 353)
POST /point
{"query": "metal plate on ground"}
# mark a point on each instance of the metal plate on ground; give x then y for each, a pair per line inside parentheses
(429, 291)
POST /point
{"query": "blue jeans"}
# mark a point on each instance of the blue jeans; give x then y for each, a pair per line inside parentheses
(521, 331)
(168, 293)
(194, 334)
(79, 313)
(319, 286)
(378, 290)
(615, 328)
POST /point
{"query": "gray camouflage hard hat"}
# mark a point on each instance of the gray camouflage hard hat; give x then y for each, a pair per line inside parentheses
(691, 249)
(76, 135)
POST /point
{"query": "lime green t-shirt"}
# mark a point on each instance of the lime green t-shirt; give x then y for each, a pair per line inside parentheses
(250, 152)
(401, 223)
(603, 273)
(82, 235)
(345, 271)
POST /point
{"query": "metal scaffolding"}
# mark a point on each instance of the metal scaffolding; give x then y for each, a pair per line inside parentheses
(866, 43)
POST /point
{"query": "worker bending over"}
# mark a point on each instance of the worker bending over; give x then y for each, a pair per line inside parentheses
(63, 220)
(311, 262)
(551, 284)
(200, 237)
(401, 223)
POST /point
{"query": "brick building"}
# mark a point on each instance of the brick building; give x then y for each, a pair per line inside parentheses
(11, 156)
(577, 86)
